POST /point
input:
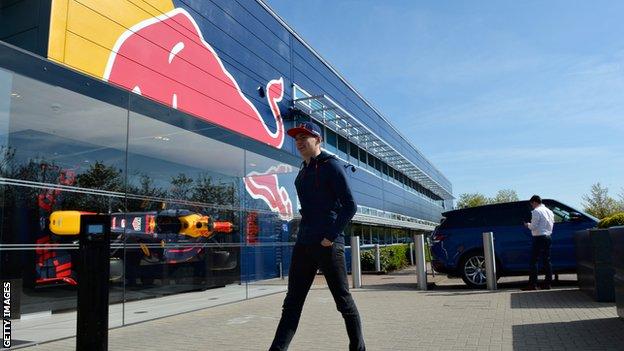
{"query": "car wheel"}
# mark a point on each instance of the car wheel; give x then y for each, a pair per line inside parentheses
(472, 270)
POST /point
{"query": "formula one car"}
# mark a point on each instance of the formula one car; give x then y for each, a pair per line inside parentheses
(150, 239)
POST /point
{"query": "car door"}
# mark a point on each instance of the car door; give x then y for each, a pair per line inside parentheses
(512, 241)
(563, 254)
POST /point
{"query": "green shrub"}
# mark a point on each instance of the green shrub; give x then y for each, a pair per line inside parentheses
(612, 221)
(367, 258)
(392, 258)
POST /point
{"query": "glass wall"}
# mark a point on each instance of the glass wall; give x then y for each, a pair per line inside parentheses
(197, 219)
(60, 151)
(190, 213)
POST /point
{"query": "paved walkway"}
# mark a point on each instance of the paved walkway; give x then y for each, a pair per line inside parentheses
(396, 317)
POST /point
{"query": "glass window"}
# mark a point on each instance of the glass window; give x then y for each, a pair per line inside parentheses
(331, 137)
(174, 173)
(342, 144)
(506, 214)
(371, 161)
(378, 164)
(561, 215)
(363, 155)
(60, 151)
(354, 152)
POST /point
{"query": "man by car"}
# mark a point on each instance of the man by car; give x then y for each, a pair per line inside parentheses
(541, 226)
(327, 206)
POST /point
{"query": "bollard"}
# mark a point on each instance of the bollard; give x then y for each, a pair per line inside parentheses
(93, 272)
(411, 248)
(377, 259)
(421, 268)
(356, 270)
(490, 262)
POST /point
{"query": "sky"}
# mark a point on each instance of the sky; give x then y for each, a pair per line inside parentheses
(522, 95)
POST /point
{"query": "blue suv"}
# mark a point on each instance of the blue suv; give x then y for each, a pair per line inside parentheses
(457, 243)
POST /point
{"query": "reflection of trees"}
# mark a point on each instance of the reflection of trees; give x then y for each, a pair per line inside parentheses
(147, 189)
(181, 187)
(34, 170)
(99, 176)
(204, 189)
(6, 163)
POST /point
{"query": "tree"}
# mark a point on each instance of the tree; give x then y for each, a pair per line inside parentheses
(471, 200)
(101, 177)
(598, 203)
(505, 195)
(181, 187)
(208, 192)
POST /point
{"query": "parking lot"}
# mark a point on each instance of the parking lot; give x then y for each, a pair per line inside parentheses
(396, 317)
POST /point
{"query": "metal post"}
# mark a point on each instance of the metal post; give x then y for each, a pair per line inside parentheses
(490, 262)
(421, 268)
(356, 271)
(411, 248)
(377, 258)
(93, 273)
(281, 270)
(93, 290)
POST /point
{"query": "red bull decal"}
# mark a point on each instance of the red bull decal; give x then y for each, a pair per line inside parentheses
(167, 59)
(265, 186)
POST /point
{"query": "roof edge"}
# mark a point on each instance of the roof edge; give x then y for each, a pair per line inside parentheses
(270, 10)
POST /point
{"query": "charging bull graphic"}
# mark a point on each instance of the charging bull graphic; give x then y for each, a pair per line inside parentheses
(162, 54)
(167, 59)
(265, 186)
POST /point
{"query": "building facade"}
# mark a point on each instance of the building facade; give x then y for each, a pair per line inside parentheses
(163, 113)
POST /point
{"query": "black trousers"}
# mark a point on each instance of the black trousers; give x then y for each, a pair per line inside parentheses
(306, 260)
(541, 247)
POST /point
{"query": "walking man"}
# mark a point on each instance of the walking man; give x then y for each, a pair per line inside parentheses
(542, 222)
(327, 206)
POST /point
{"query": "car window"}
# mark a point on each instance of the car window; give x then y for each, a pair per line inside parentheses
(464, 219)
(561, 215)
(508, 214)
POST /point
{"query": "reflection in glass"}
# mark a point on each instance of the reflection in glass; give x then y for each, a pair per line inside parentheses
(185, 203)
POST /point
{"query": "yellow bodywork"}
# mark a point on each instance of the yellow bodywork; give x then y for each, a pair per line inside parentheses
(65, 222)
(195, 225)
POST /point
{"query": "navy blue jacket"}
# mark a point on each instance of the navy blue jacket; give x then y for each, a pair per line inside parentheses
(327, 204)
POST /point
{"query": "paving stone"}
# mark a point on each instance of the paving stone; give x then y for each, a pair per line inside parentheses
(395, 317)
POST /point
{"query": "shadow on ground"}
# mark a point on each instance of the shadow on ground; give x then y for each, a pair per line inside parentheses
(593, 334)
(391, 286)
(568, 298)
(459, 288)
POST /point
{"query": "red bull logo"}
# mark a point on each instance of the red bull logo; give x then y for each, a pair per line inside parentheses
(265, 186)
(167, 59)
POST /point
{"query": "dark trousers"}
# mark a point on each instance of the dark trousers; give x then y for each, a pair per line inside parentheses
(306, 260)
(541, 247)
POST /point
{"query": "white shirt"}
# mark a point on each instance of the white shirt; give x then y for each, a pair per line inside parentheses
(542, 221)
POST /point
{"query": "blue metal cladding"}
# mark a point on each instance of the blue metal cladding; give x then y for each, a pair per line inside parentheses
(255, 47)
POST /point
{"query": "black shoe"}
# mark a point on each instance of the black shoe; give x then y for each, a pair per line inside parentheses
(545, 286)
